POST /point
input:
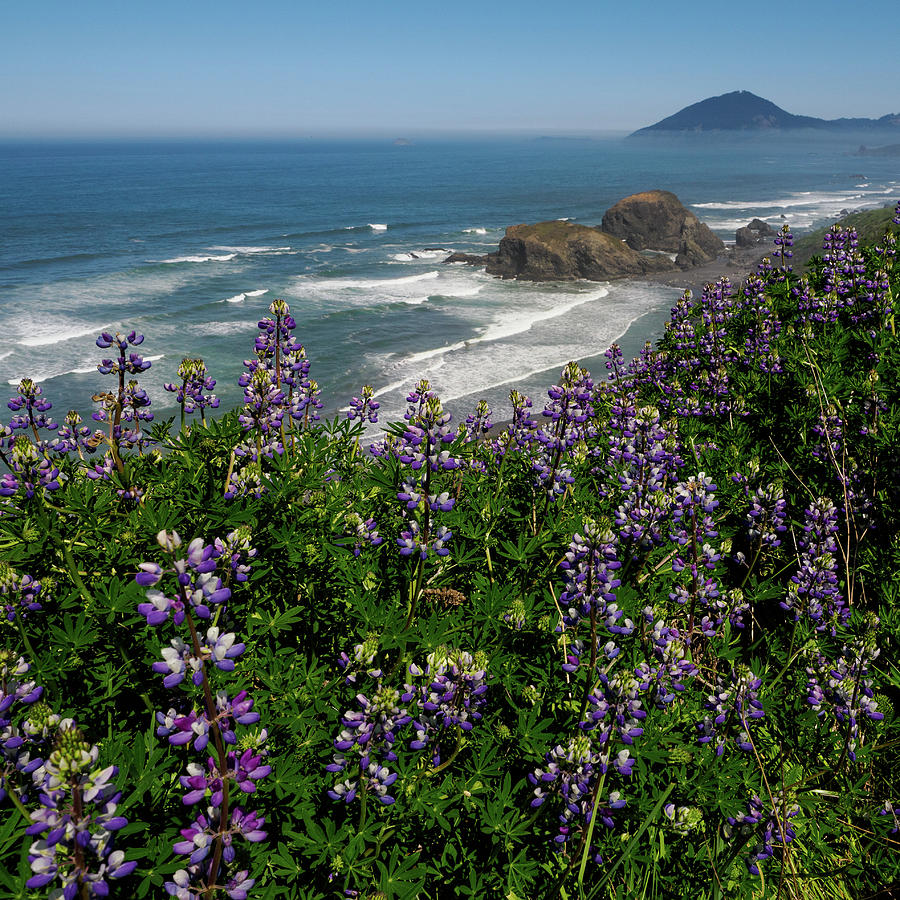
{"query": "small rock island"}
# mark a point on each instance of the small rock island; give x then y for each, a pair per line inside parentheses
(649, 232)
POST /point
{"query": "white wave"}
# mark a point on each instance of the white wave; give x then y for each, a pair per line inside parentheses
(377, 227)
(251, 250)
(8, 353)
(199, 259)
(817, 199)
(44, 340)
(474, 230)
(38, 379)
(339, 284)
(420, 255)
(518, 324)
(46, 376)
(239, 298)
(387, 389)
(508, 327)
(479, 369)
(532, 361)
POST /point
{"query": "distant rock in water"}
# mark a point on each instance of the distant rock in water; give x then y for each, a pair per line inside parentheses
(656, 220)
(565, 251)
(743, 111)
(754, 233)
(470, 259)
(642, 234)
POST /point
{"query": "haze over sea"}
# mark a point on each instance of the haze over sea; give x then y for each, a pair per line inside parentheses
(188, 243)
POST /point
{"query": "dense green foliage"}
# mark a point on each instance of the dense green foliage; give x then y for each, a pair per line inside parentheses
(813, 412)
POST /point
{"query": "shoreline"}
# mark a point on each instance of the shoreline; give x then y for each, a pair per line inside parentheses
(736, 265)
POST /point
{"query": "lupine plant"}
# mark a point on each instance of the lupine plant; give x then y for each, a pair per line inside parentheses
(639, 641)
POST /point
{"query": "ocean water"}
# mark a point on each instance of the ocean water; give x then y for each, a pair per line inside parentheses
(188, 243)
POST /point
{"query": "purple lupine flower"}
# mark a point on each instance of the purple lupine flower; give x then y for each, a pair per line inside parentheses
(617, 709)
(76, 820)
(478, 423)
(694, 502)
(590, 565)
(783, 242)
(363, 657)
(284, 362)
(814, 591)
(213, 728)
(734, 706)
(888, 808)
(30, 399)
(451, 697)
(766, 516)
(18, 767)
(364, 532)
(365, 407)
(761, 829)
(643, 459)
(264, 404)
(366, 742)
(842, 685)
(31, 473)
(18, 595)
(245, 483)
(235, 549)
(665, 675)
(73, 437)
(519, 434)
(195, 390)
(568, 413)
(421, 450)
(128, 406)
(571, 773)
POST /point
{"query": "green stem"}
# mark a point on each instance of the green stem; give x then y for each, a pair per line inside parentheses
(11, 793)
(595, 797)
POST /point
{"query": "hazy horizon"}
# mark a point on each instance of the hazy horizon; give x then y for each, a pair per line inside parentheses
(106, 70)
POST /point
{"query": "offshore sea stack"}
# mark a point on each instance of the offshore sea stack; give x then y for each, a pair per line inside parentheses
(642, 234)
(564, 251)
(656, 220)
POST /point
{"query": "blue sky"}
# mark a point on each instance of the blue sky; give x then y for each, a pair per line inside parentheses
(272, 68)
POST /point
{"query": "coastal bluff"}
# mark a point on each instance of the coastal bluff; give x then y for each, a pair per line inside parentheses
(646, 233)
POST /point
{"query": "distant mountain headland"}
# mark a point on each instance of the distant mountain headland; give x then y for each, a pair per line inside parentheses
(743, 111)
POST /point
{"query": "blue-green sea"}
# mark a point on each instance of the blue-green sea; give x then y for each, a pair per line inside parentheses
(188, 243)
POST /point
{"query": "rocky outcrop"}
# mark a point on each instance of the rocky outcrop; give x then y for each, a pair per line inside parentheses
(754, 233)
(470, 259)
(656, 220)
(565, 251)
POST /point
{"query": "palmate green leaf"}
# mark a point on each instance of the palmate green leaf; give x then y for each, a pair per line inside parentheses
(261, 623)
(287, 865)
(401, 876)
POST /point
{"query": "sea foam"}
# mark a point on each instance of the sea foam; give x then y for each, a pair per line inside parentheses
(252, 250)
(44, 340)
(198, 259)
